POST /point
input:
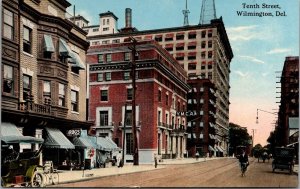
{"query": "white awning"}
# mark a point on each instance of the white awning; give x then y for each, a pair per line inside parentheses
(48, 43)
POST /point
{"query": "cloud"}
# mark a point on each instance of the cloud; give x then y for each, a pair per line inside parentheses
(253, 59)
(265, 74)
(279, 50)
(243, 33)
(240, 73)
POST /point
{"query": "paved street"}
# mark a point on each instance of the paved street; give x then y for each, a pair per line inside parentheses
(215, 173)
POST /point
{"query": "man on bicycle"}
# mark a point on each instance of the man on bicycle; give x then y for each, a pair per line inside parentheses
(243, 162)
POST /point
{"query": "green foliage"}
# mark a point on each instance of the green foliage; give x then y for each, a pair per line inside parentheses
(238, 136)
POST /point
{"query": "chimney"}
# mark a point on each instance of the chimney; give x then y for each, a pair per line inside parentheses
(128, 18)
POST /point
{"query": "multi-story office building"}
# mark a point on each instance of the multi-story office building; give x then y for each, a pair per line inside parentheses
(288, 119)
(161, 91)
(203, 51)
(43, 73)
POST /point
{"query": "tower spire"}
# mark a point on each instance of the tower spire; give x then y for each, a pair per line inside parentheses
(186, 16)
(208, 11)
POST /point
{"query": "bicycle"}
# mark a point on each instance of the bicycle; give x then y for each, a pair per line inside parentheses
(244, 169)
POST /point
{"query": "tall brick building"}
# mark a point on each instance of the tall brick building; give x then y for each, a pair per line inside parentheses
(202, 50)
(288, 119)
(43, 72)
(161, 91)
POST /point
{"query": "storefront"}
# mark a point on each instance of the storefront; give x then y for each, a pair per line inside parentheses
(58, 149)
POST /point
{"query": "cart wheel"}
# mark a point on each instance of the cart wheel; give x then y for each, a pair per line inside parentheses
(37, 180)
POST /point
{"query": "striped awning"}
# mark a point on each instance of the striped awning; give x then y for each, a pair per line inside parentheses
(192, 53)
(180, 33)
(192, 32)
(179, 54)
(105, 144)
(56, 139)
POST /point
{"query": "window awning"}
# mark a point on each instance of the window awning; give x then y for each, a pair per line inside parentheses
(64, 49)
(11, 134)
(192, 32)
(211, 148)
(148, 37)
(169, 46)
(179, 44)
(56, 139)
(105, 144)
(180, 33)
(194, 43)
(169, 35)
(192, 53)
(179, 54)
(77, 61)
(48, 43)
(83, 142)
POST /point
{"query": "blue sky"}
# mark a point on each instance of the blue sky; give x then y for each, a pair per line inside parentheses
(260, 45)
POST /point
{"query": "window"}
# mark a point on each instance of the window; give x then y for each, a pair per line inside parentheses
(107, 21)
(209, 54)
(203, 44)
(27, 40)
(8, 81)
(167, 99)
(203, 55)
(169, 48)
(209, 44)
(108, 76)
(127, 56)
(100, 58)
(108, 58)
(95, 29)
(129, 94)
(190, 47)
(103, 118)
(105, 42)
(191, 57)
(26, 87)
(61, 94)
(209, 34)
(105, 29)
(159, 96)
(74, 101)
(104, 95)
(180, 48)
(129, 143)
(203, 67)
(203, 34)
(158, 38)
(169, 39)
(128, 119)
(8, 25)
(103, 21)
(209, 75)
(192, 67)
(180, 37)
(192, 35)
(46, 91)
(126, 75)
(100, 77)
(116, 41)
(209, 66)
(180, 58)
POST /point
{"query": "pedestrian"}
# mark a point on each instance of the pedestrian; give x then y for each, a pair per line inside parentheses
(197, 155)
(155, 161)
(119, 160)
(243, 159)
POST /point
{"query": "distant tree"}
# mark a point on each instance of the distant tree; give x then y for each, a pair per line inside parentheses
(238, 136)
(256, 150)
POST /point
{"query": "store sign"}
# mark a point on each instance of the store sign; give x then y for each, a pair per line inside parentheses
(186, 113)
(73, 132)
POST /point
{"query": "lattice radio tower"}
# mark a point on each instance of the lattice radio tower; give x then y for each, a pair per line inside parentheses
(186, 15)
(208, 11)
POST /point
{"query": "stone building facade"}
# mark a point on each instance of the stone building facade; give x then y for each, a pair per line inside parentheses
(43, 69)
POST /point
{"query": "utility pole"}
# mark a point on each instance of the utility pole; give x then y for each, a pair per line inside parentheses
(133, 73)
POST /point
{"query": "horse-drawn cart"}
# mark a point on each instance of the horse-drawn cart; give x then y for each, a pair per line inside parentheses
(283, 159)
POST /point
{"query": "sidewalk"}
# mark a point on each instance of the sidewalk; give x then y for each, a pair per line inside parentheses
(80, 175)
